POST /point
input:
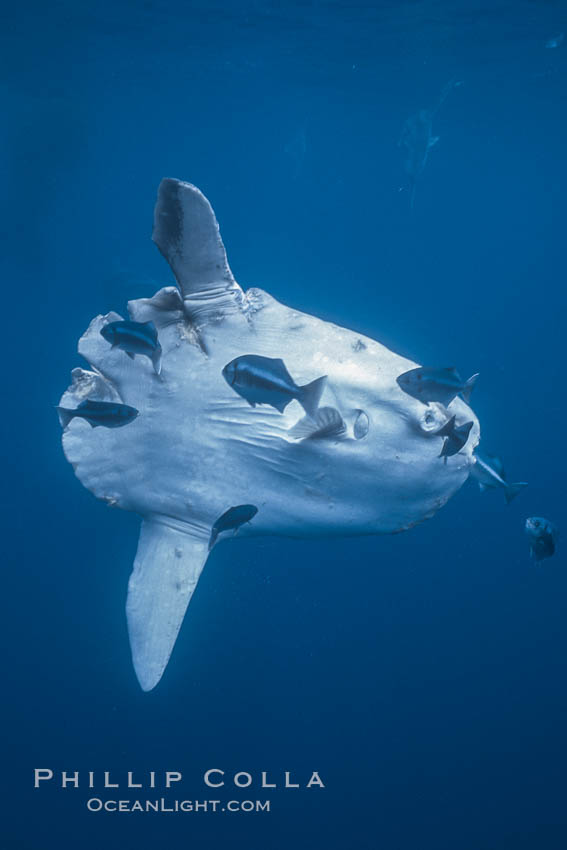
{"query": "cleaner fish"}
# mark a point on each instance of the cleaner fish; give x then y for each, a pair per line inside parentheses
(134, 338)
(106, 413)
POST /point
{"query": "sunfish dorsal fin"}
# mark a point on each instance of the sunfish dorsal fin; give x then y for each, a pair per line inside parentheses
(187, 234)
(167, 567)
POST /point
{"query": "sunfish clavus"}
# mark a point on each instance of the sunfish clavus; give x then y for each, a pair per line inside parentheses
(198, 447)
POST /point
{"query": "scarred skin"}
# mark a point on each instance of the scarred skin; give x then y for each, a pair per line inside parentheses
(198, 448)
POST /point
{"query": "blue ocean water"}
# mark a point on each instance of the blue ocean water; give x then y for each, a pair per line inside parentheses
(422, 675)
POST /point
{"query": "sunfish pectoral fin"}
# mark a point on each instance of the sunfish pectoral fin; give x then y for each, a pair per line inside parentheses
(131, 355)
(512, 490)
(167, 567)
(327, 424)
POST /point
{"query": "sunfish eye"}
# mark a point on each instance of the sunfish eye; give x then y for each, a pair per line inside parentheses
(536, 523)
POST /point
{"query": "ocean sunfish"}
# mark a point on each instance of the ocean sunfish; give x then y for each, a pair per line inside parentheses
(367, 464)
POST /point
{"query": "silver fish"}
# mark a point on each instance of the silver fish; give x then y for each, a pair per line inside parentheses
(489, 472)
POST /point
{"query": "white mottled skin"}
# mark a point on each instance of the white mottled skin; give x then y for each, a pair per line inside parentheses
(198, 448)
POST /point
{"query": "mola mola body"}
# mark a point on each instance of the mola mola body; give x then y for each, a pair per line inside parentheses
(372, 466)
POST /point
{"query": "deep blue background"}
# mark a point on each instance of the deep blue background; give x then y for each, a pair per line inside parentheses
(423, 674)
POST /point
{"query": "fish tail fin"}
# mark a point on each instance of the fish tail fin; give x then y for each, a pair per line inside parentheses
(512, 490)
(65, 415)
(469, 387)
(447, 429)
(309, 396)
(156, 360)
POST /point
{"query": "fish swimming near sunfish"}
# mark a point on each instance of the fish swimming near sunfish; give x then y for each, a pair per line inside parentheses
(265, 380)
(231, 520)
(542, 535)
(105, 413)
(434, 384)
(456, 437)
(417, 138)
(489, 472)
(367, 462)
(134, 338)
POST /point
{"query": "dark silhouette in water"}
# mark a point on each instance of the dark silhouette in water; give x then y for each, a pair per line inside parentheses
(418, 139)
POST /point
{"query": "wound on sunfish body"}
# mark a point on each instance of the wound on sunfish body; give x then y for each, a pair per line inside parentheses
(232, 519)
(134, 338)
(434, 384)
(542, 535)
(110, 414)
(265, 380)
(489, 472)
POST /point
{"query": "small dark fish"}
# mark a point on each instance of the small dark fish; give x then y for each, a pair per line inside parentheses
(429, 383)
(542, 535)
(489, 472)
(456, 437)
(232, 519)
(107, 413)
(135, 338)
(265, 380)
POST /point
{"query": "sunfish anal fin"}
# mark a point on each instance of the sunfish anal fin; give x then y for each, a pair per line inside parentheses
(167, 567)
